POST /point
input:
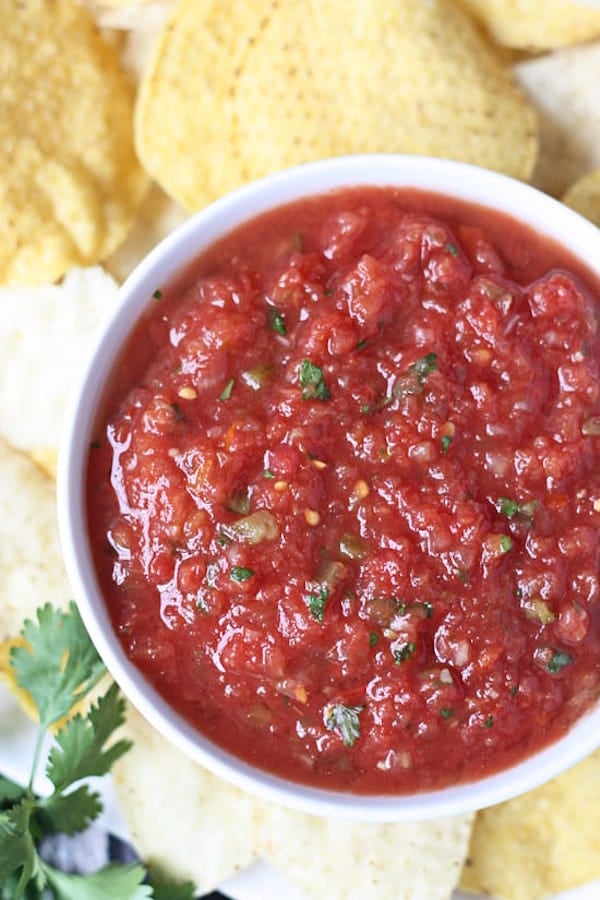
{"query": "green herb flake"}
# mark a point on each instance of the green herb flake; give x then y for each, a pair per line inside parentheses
(446, 441)
(316, 604)
(344, 720)
(452, 249)
(425, 366)
(558, 660)
(240, 573)
(506, 506)
(226, 392)
(489, 721)
(446, 712)
(268, 474)
(158, 294)
(312, 382)
(373, 639)
(404, 652)
(506, 543)
(277, 322)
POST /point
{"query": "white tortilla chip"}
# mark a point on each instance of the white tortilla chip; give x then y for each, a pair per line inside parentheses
(182, 818)
(31, 568)
(564, 86)
(209, 830)
(45, 335)
(354, 860)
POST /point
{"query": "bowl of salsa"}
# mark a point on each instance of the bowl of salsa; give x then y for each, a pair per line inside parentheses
(329, 492)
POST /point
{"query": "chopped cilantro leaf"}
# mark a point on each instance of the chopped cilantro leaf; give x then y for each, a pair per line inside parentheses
(344, 720)
(277, 322)
(489, 721)
(316, 604)
(505, 543)
(240, 573)
(268, 474)
(446, 441)
(404, 652)
(157, 294)
(226, 392)
(373, 639)
(506, 506)
(312, 382)
(446, 712)
(558, 660)
(425, 365)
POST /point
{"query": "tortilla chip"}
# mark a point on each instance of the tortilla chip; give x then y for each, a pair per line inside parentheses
(232, 93)
(565, 88)
(158, 216)
(45, 336)
(31, 568)
(584, 196)
(353, 860)
(543, 842)
(70, 183)
(209, 830)
(402, 77)
(536, 24)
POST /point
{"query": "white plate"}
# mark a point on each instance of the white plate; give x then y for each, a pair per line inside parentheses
(260, 882)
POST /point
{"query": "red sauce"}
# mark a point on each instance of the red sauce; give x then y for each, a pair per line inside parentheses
(345, 502)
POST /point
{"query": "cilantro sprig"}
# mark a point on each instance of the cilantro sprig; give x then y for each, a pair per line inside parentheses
(59, 666)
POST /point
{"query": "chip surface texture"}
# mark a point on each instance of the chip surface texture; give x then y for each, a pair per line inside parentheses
(69, 180)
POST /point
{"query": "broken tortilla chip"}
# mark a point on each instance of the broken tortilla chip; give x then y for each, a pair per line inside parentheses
(70, 183)
(536, 24)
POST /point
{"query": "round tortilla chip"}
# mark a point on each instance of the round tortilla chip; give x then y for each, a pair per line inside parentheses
(233, 95)
(536, 24)
(184, 109)
(70, 183)
(584, 196)
(398, 76)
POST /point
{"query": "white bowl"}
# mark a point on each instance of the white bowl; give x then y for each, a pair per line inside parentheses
(469, 183)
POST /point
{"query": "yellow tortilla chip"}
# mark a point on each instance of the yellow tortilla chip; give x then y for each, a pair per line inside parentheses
(69, 180)
(541, 843)
(184, 108)
(536, 24)
(564, 86)
(584, 196)
(232, 93)
(210, 830)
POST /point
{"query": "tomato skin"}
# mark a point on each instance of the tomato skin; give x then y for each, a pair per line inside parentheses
(345, 500)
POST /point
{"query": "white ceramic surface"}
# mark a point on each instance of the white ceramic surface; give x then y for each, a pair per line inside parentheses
(451, 178)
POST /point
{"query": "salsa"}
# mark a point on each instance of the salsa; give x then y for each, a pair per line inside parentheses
(344, 498)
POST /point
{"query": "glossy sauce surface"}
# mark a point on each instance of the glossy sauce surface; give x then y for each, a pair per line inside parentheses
(345, 499)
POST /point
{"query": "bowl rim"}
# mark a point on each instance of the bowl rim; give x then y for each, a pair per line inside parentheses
(455, 179)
